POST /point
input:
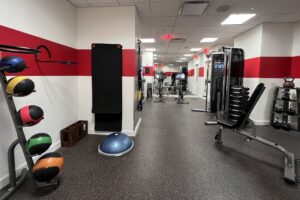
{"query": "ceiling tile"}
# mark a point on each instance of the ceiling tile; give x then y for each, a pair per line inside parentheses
(273, 6)
(212, 8)
(163, 21)
(263, 18)
(289, 17)
(199, 20)
(146, 21)
(163, 0)
(82, 5)
(184, 29)
(133, 1)
(169, 8)
(78, 1)
(146, 29)
(102, 1)
(103, 4)
(142, 8)
(163, 29)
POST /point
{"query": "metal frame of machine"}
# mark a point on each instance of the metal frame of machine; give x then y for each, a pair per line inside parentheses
(230, 73)
(290, 162)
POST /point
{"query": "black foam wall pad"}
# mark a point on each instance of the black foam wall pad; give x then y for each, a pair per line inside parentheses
(107, 86)
(108, 122)
(107, 78)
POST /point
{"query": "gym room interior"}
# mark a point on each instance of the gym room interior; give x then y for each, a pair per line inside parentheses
(150, 99)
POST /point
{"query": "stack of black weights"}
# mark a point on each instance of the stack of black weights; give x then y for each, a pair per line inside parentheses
(238, 98)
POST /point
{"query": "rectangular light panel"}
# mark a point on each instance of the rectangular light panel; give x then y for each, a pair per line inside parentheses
(195, 49)
(237, 19)
(147, 40)
(150, 49)
(208, 40)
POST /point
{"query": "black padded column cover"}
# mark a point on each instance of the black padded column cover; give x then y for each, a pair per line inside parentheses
(107, 86)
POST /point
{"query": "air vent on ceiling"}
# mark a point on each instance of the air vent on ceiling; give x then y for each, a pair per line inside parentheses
(193, 7)
(177, 40)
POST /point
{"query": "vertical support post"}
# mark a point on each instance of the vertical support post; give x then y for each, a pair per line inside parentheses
(19, 130)
(11, 164)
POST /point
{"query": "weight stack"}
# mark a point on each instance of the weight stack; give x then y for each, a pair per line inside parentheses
(238, 98)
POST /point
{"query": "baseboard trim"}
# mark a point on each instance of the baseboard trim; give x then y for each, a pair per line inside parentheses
(131, 133)
(261, 122)
(136, 129)
(4, 181)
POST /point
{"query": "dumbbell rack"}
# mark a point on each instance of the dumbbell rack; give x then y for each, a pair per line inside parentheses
(285, 105)
(15, 182)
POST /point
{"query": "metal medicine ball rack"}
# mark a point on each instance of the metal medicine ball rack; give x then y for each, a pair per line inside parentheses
(283, 115)
(15, 182)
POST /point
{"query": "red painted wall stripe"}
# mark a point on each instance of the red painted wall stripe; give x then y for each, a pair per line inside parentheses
(191, 72)
(129, 62)
(251, 68)
(261, 67)
(84, 58)
(59, 52)
(267, 67)
(201, 72)
(275, 67)
(168, 73)
(295, 67)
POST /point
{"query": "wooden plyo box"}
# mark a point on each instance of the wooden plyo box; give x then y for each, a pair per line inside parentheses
(73, 133)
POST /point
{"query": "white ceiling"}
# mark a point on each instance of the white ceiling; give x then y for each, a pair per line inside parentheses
(159, 17)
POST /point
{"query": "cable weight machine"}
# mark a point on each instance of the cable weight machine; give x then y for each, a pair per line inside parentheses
(227, 71)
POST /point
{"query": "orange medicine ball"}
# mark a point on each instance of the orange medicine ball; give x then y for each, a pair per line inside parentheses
(48, 166)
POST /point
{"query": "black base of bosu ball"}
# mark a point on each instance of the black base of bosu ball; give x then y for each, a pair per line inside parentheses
(115, 144)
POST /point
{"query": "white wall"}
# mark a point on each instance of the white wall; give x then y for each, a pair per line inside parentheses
(200, 83)
(296, 40)
(250, 41)
(266, 40)
(147, 60)
(114, 25)
(53, 20)
(167, 68)
(277, 39)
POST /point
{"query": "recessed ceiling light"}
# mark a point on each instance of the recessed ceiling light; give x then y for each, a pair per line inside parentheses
(195, 49)
(154, 58)
(154, 54)
(147, 40)
(237, 18)
(209, 40)
(187, 55)
(183, 58)
(150, 49)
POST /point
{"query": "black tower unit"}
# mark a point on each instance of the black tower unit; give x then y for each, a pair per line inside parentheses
(217, 77)
(184, 82)
(227, 70)
(107, 86)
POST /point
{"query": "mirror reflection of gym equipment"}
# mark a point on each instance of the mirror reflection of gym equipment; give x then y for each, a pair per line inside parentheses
(159, 79)
(180, 78)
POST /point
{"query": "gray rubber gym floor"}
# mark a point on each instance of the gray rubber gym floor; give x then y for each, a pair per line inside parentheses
(175, 157)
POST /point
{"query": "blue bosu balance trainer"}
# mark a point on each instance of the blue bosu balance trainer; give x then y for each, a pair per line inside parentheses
(115, 144)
